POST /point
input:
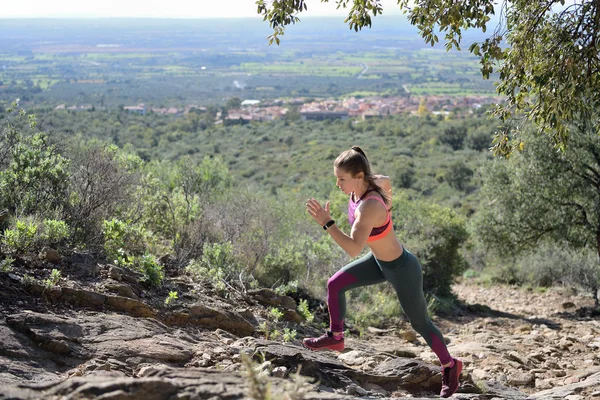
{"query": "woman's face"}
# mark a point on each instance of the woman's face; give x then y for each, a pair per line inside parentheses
(346, 182)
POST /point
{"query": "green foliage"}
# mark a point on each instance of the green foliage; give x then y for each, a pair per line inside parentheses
(547, 65)
(172, 195)
(459, 175)
(103, 178)
(33, 176)
(28, 280)
(6, 264)
(550, 264)
(454, 136)
(53, 279)
(304, 310)
(541, 194)
(53, 231)
(152, 270)
(287, 288)
(123, 241)
(284, 265)
(275, 314)
(373, 308)
(435, 235)
(217, 265)
(171, 297)
(21, 237)
(289, 335)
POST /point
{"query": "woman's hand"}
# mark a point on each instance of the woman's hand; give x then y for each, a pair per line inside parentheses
(319, 214)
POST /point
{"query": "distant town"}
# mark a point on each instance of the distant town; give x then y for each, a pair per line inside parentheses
(329, 109)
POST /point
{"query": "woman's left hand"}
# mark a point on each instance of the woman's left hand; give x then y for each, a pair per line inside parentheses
(319, 214)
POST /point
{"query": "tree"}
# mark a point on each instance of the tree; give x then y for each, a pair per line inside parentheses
(547, 53)
(454, 136)
(541, 195)
(33, 175)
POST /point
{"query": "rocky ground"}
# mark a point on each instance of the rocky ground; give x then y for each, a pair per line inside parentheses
(98, 334)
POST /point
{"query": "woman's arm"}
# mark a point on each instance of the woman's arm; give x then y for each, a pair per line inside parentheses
(354, 243)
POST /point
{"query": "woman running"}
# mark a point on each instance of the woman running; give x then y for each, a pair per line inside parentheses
(370, 219)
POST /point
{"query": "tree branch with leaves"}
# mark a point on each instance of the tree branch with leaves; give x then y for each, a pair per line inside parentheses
(546, 54)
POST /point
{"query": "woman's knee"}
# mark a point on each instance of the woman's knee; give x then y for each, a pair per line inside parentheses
(339, 281)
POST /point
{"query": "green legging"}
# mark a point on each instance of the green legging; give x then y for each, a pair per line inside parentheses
(406, 276)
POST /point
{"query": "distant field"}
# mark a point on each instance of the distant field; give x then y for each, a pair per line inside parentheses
(189, 62)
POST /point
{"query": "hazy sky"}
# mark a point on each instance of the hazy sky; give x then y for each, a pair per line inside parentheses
(159, 8)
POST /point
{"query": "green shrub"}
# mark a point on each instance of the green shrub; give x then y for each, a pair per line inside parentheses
(281, 265)
(218, 264)
(22, 237)
(34, 176)
(553, 264)
(287, 288)
(435, 235)
(152, 270)
(275, 314)
(123, 241)
(53, 280)
(368, 307)
(304, 310)
(289, 335)
(54, 231)
(171, 297)
(6, 264)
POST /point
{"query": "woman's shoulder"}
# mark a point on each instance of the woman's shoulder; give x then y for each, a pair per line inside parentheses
(384, 182)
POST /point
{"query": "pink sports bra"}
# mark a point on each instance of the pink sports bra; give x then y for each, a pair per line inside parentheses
(377, 232)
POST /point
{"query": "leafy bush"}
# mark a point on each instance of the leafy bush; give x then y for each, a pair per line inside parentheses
(552, 264)
(22, 237)
(304, 310)
(435, 235)
(53, 231)
(33, 175)
(171, 297)
(53, 280)
(283, 265)
(123, 241)
(218, 265)
(103, 179)
(367, 307)
(6, 264)
(152, 270)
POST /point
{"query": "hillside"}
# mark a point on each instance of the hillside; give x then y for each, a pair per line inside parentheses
(97, 333)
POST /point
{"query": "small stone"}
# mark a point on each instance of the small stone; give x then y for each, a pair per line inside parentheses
(520, 379)
(279, 372)
(513, 355)
(543, 384)
(353, 357)
(409, 336)
(356, 390)
(480, 374)
(571, 380)
(559, 373)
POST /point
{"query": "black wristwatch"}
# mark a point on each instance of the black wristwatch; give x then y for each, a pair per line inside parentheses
(328, 224)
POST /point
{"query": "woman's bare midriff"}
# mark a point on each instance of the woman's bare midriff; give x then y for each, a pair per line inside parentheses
(388, 248)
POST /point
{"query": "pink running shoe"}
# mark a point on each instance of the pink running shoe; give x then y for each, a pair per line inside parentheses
(325, 342)
(450, 378)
